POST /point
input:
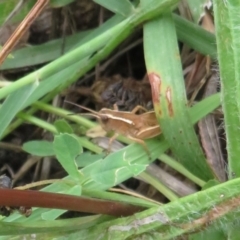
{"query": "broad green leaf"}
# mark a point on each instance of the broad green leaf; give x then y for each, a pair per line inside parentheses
(39, 148)
(120, 165)
(62, 126)
(87, 158)
(66, 148)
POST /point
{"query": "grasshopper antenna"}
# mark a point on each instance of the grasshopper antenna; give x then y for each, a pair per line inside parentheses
(91, 112)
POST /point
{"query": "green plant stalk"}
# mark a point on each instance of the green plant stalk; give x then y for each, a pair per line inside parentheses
(64, 114)
(49, 127)
(226, 15)
(17, 122)
(38, 122)
(217, 205)
(159, 186)
(169, 96)
(123, 30)
(179, 167)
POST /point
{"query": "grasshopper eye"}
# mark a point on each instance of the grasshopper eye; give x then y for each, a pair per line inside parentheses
(104, 118)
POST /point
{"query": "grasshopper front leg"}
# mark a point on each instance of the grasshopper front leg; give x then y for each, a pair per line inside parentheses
(111, 141)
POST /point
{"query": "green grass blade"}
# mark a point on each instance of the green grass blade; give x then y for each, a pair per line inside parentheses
(51, 50)
(123, 7)
(195, 36)
(207, 105)
(226, 15)
(151, 10)
(169, 97)
(13, 104)
(39, 54)
(37, 121)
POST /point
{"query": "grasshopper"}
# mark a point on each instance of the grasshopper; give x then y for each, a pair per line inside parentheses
(133, 126)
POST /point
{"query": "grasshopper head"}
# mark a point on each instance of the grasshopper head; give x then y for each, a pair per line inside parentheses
(103, 117)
